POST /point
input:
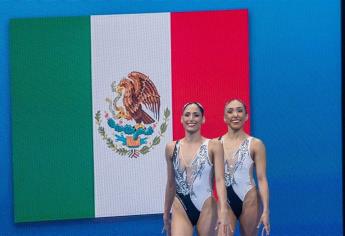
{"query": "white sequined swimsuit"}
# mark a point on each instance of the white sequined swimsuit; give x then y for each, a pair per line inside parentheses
(194, 183)
(239, 171)
(238, 175)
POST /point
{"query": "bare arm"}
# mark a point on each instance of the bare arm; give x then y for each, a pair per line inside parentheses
(218, 161)
(170, 187)
(259, 151)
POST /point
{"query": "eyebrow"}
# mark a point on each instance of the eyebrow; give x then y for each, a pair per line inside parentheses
(198, 112)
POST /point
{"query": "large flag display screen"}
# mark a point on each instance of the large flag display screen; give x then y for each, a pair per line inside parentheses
(96, 99)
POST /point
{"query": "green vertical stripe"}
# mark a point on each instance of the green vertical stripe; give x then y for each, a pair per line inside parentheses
(52, 118)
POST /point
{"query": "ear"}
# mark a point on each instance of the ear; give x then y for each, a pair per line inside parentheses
(203, 120)
(246, 117)
(181, 120)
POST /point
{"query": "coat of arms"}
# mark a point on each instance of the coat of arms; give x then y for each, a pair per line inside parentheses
(133, 116)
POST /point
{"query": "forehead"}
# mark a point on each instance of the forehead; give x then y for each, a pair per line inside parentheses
(234, 104)
(192, 108)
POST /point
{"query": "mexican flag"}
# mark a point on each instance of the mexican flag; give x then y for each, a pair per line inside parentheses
(95, 100)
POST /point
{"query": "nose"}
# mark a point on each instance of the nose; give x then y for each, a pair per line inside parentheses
(191, 118)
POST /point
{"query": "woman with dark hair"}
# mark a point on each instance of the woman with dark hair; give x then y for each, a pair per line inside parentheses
(243, 153)
(192, 164)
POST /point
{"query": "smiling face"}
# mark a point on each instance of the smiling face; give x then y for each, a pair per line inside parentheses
(192, 118)
(235, 115)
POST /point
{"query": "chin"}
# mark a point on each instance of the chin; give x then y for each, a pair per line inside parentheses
(192, 130)
(236, 128)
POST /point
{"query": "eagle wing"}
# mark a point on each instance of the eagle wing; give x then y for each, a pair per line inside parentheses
(145, 92)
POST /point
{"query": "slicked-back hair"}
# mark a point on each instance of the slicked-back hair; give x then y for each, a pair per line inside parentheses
(201, 108)
(237, 99)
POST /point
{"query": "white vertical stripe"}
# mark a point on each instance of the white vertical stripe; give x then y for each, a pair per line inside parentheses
(121, 44)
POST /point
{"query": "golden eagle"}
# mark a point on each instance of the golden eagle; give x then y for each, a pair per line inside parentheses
(139, 90)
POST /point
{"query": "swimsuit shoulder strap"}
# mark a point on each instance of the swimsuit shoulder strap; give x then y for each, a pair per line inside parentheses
(175, 149)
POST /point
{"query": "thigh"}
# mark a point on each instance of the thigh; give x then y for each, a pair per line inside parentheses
(180, 223)
(208, 218)
(250, 213)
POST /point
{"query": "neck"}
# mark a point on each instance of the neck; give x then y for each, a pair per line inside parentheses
(235, 134)
(192, 137)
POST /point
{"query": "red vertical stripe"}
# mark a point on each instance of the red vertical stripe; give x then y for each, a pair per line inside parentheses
(210, 64)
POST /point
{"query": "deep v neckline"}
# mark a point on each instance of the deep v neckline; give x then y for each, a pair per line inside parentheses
(180, 156)
(232, 157)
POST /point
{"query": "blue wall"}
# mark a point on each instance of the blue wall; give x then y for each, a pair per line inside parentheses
(295, 72)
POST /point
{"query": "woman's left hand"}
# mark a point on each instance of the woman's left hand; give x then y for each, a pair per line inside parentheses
(265, 220)
(223, 224)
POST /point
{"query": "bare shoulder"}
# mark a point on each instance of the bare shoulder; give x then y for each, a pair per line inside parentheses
(215, 144)
(215, 147)
(215, 140)
(257, 149)
(169, 149)
(257, 144)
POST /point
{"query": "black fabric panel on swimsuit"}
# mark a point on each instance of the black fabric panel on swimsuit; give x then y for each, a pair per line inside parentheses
(192, 212)
(234, 201)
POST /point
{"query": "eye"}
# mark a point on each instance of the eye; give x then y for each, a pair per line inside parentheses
(229, 111)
